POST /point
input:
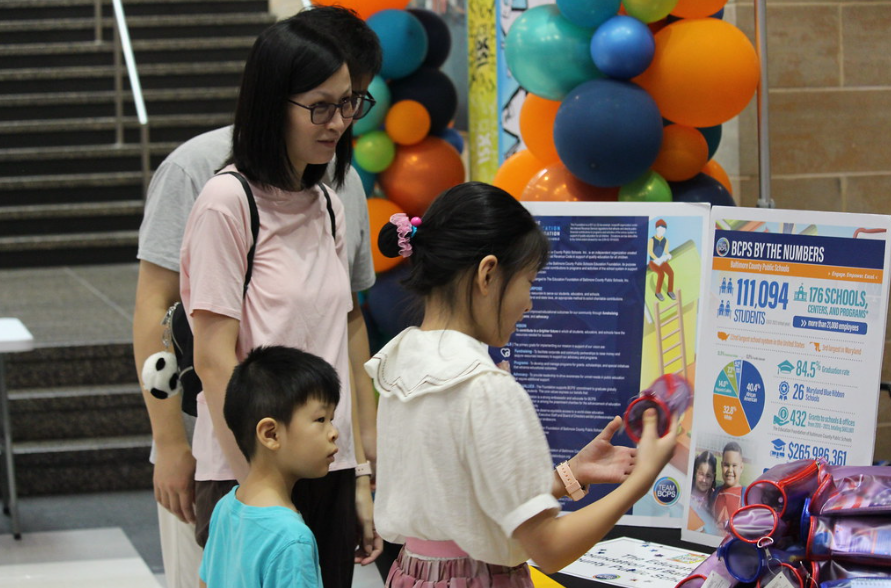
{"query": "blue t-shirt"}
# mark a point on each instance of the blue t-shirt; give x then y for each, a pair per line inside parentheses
(251, 546)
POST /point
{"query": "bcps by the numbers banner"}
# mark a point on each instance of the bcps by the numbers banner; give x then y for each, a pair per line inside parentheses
(792, 336)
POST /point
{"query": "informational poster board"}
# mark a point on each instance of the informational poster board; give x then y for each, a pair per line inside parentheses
(792, 339)
(600, 331)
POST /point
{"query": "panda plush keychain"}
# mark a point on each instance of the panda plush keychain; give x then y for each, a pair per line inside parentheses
(160, 375)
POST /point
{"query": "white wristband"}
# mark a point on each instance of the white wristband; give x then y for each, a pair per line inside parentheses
(363, 469)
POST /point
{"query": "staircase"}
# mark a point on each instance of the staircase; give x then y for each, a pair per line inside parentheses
(68, 193)
(70, 196)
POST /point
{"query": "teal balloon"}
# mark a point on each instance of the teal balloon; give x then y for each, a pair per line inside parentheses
(588, 13)
(380, 91)
(403, 41)
(650, 187)
(374, 151)
(547, 54)
(649, 10)
(368, 178)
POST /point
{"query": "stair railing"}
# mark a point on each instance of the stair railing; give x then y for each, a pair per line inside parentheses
(122, 46)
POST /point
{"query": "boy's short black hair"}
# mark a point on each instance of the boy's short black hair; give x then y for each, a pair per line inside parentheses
(360, 44)
(732, 446)
(273, 382)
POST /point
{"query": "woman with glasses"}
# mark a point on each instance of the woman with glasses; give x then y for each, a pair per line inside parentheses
(294, 111)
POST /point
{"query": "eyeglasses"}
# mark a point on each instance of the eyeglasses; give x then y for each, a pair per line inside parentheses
(366, 103)
(322, 112)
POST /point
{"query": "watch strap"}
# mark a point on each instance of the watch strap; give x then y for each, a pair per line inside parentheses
(363, 469)
(575, 490)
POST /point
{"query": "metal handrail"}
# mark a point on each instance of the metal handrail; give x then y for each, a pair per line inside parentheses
(122, 46)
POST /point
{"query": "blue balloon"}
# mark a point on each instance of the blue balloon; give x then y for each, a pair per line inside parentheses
(453, 138)
(712, 138)
(380, 91)
(403, 41)
(701, 188)
(623, 47)
(608, 132)
(588, 13)
(547, 54)
(366, 176)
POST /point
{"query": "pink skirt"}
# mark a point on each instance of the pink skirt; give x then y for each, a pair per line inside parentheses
(442, 564)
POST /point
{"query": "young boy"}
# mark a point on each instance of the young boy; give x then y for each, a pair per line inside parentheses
(729, 496)
(279, 404)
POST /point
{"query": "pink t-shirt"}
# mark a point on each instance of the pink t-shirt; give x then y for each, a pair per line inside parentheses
(299, 293)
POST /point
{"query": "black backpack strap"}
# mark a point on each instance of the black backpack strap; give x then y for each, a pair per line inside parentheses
(330, 209)
(255, 225)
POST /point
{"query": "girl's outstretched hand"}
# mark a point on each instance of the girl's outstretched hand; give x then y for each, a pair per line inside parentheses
(654, 452)
(601, 462)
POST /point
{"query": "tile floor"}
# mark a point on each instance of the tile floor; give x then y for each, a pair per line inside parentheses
(95, 540)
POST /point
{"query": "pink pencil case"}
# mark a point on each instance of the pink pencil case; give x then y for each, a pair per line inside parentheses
(784, 487)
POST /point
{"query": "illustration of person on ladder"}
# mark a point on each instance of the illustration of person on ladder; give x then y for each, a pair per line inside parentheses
(657, 249)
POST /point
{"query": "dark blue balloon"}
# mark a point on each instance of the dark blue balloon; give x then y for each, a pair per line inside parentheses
(434, 90)
(712, 138)
(608, 132)
(622, 47)
(453, 138)
(719, 15)
(391, 308)
(438, 35)
(701, 188)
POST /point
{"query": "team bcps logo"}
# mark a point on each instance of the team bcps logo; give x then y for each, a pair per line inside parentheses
(666, 491)
(722, 247)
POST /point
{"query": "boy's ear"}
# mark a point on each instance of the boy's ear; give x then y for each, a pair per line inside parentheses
(485, 273)
(267, 433)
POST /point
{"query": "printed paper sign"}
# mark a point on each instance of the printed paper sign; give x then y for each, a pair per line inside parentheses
(792, 338)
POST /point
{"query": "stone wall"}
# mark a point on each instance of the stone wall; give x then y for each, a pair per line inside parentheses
(829, 69)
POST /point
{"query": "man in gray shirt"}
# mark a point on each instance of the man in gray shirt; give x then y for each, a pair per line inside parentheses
(173, 190)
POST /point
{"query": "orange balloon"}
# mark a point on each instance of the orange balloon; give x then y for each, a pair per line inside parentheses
(420, 172)
(714, 169)
(516, 171)
(697, 8)
(704, 72)
(683, 153)
(537, 117)
(364, 8)
(556, 183)
(379, 212)
(407, 122)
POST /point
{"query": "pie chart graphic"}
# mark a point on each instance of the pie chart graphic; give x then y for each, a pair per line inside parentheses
(738, 398)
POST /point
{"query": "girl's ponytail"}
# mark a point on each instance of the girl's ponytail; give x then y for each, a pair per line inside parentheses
(395, 236)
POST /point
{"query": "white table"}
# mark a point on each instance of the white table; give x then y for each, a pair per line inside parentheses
(14, 338)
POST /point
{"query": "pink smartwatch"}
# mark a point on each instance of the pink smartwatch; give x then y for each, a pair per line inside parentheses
(575, 490)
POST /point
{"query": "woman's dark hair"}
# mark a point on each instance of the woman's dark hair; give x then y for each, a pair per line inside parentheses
(290, 57)
(273, 382)
(462, 226)
(705, 457)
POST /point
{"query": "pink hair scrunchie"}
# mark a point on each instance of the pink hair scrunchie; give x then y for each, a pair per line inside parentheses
(405, 228)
